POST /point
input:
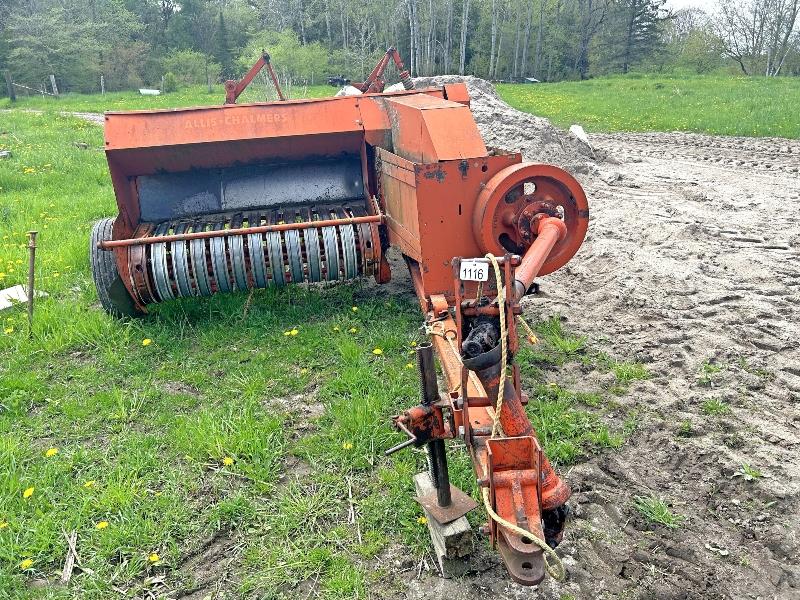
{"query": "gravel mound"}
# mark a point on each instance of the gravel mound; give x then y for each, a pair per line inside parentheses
(503, 126)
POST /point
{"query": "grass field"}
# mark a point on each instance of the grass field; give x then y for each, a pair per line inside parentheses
(197, 95)
(257, 427)
(724, 105)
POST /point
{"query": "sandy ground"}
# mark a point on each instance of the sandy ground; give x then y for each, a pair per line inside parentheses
(693, 257)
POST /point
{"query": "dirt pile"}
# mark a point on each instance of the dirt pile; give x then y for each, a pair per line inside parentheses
(503, 126)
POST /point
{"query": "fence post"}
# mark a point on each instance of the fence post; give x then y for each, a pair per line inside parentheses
(102, 85)
(162, 84)
(11, 94)
(54, 86)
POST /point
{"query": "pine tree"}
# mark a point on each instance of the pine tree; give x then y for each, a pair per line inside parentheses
(222, 49)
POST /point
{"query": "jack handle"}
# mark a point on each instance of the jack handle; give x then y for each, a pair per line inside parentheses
(412, 439)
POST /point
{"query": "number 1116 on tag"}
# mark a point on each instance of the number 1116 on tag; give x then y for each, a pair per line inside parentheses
(474, 270)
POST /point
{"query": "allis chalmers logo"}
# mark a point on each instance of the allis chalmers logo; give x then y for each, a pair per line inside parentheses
(248, 119)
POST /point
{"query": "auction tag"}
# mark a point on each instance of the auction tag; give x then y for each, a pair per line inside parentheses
(474, 269)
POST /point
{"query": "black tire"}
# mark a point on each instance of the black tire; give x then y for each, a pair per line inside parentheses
(111, 291)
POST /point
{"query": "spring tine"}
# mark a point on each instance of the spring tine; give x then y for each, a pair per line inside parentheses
(220, 262)
(275, 251)
(348, 246)
(237, 255)
(180, 264)
(364, 241)
(293, 251)
(255, 244)
(159, 265)
(199, 263)
(311, 241)
(329, 238)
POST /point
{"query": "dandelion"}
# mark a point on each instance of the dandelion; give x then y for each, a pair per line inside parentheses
(51, 452)
(422, 520)
(347, 445)
(353, 330)
(409, 365)
(377, 351)
(3, 524)
(26, 564)
(354, 308)
(8, 330)
(294, 332)
(336, 328)
(28, 492)
(146, 342)
(227, 461)
(154, 558)
(28, 170)
(89, 484)
(303, 371)
(101, 525)
(413, 344)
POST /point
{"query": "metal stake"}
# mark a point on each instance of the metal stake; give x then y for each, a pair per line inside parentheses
(31, 268)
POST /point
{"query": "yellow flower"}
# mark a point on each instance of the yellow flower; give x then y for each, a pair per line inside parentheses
(422, 520)
(51, 452)
(28, 492)
(101, 525)
(336, 328)
(227, 461)
(89, 484)
(28, 170)
(413, 344)
(154, 558)
(347, 445)
(26, 564)
(353, 330)
(146, 342)
(9, 330)
(377, 351)
(409, 365)
(354, 309)
(3, 524)
(294, 332)
(303, 371)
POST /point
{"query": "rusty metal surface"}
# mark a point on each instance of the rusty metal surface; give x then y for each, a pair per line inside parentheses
(233, 88)
(218, 233)
(460, 505)
(502, 221)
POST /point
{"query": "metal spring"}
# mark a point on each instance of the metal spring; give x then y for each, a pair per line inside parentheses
(201, 267)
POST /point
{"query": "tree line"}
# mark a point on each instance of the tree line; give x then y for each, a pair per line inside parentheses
(136, 42)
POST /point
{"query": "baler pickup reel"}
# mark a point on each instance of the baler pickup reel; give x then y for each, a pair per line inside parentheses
(236, 197)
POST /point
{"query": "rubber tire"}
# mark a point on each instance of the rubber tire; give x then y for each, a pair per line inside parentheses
(111, 291)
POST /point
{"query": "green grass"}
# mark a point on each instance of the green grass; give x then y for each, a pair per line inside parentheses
(656, 510)
(132, 100)
(715, 104)
(204, 430)
(714, 407)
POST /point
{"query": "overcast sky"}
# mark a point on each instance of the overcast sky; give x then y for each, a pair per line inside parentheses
(706, 5)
